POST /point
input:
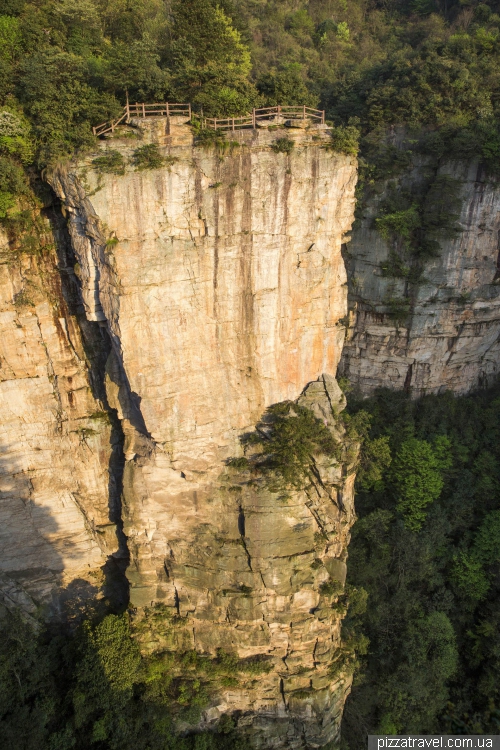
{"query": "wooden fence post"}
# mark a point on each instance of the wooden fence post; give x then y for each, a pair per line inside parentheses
(253, 118)
(304, 113)
(143, 110)
(232, 124)
(189, 105)
(323, 117)
(127, 107)
(168, 113)
(215, 123)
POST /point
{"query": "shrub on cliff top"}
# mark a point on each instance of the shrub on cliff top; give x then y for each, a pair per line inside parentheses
(345, 139)
(209, 138)
(147, 157)
(110, 162)
(290, 437)
(283, 146)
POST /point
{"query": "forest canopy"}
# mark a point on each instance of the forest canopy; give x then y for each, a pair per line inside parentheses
(426, 550)
(66, 65)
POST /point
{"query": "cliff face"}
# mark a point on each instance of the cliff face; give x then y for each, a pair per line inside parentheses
(450, 338)
(58, 448)
(139, 352)
(220, 281)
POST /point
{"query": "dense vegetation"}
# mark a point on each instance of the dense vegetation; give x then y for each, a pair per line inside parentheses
(91, 687)
(430, 65)
(66, 65)
(426, 548)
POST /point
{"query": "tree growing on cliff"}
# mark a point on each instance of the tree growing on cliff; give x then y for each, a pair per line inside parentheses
(289, 437)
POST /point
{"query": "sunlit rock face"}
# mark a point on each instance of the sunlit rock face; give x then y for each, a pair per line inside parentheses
(450, 341)
(59, 453)
(220, 280)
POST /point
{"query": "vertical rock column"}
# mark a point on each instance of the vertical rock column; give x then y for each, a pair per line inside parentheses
(222, 285)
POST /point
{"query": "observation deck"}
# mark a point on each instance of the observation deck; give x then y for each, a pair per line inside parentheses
(295, 116)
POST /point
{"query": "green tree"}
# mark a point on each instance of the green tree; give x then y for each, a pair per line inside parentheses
(28, 694)
(469, 576)
(290, 437)
(417, 689)
(486, 547)
(14, 185)
(133, 67)
(106, 673)
(286, 86)
(61, 103)
(10, 37)
(375, 459)
(417, 480)
(210, 63)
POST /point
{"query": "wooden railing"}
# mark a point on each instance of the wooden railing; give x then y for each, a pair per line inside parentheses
(250, 120)
(262, 114)
(161, 109)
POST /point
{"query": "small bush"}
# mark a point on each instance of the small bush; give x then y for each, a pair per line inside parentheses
(22, 299)
(330, 588)
(110, 162)
(400, 224)
(238, 463)
(147, 157)
(283, 146)
(208, 137)
(398, 308)
(345, 140)
(302, 694)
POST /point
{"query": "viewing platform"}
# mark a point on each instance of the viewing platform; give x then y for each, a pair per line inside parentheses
(293, 116)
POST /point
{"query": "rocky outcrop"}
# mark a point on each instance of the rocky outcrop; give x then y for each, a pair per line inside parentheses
(450, 338)
(220, 280)
(59, 452)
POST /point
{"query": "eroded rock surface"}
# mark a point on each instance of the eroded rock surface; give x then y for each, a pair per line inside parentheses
(220, 280)
(58, 499)
(450, 340)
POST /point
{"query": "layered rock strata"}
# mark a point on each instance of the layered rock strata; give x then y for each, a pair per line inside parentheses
(451, 338)
(220, 280)
(59, 503)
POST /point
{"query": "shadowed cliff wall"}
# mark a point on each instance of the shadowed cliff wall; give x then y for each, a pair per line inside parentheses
(449, 339)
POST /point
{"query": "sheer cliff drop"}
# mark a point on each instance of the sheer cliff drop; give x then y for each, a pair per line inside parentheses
(222, 289)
